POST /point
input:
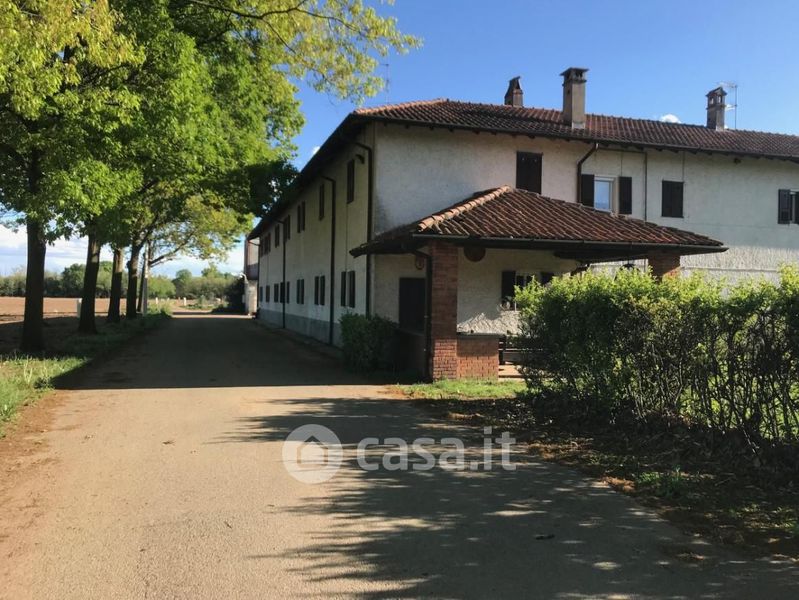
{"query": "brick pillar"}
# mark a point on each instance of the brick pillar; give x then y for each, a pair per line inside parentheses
(443, 311)
(664, 264)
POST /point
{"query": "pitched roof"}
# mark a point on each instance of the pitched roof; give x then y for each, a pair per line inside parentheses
(506, 216)
(599, 128)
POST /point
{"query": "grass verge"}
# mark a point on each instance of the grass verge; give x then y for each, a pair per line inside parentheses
(25, 378)
(678, 473)
(465, 389)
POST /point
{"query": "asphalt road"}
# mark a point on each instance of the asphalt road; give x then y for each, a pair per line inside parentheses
(160, 475)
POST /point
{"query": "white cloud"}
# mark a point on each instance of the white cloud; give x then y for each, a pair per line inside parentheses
(63, 253)
(670, 118)
(314, 150)
(11, 239)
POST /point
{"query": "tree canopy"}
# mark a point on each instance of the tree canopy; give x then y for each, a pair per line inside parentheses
(121, 118)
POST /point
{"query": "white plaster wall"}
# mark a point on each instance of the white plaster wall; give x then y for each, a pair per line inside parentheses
(732, 202)
(420, 171)
(479, 285)
(308, 252)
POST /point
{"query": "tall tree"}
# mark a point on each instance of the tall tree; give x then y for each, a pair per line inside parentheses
(205, 92)
(55, 58)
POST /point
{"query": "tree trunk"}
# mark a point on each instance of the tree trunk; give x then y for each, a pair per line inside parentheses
(133, 281)
(115, 298)
(33, 324)
(87, 322)
(142, 284)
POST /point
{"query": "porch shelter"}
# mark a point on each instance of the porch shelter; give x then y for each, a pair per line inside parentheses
(571, 235)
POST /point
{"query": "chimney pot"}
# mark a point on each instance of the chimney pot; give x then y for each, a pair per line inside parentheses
(716, 108)
(574, 97)
(514, 96)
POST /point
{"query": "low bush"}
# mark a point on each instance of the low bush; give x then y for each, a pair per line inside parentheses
(368, 342)
(684, 350)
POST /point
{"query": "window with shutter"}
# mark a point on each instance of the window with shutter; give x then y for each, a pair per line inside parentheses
(343, 291)
(625, 195)
(528, 171)
(321, 201)
(288, 292)
(672, 199)
(784, 206)
(277, 236)
(322, 290)
(277, 292)
(587, 190)
(287, 229)
(508, 289)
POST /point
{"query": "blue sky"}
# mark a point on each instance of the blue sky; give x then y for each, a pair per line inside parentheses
(646, 59)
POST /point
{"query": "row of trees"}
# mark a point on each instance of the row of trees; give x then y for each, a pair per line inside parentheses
(147, 124)
(69, 283)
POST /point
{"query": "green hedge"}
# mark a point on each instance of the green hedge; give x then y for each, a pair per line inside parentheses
(368, 342)
(685, 349)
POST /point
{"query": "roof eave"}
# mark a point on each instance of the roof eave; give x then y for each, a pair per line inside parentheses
(403, 245)
(579, 138)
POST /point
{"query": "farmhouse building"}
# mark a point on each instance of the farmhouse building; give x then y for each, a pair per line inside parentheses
(429, 213)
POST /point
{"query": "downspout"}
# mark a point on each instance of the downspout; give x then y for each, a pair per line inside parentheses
(588, 155)
(646, 183)
(428, 308)
(332, 257)
(369, 204)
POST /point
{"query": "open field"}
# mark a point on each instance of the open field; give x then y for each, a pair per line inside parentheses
(12, 308)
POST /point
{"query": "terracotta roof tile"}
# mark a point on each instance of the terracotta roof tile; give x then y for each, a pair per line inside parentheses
(511, 214)
(599, 128)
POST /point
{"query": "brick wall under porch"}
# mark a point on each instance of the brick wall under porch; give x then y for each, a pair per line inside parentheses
(478, 357)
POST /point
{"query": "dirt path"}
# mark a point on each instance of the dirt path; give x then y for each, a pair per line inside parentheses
(160, 476)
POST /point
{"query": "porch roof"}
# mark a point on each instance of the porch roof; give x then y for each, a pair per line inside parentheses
(511, 218)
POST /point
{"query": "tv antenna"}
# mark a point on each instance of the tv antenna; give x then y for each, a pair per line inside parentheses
(733, 88)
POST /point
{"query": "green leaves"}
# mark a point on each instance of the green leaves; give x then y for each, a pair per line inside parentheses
(683, 351)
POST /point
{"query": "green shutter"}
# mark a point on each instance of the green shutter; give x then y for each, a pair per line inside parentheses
(587, 190)
(625, 195)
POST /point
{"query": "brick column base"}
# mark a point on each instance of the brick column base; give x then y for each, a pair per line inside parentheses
(443, 311)
(664, 264)
(478, 357)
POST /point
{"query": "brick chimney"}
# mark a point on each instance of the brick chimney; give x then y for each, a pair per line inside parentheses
(716, 107)
(574, 97)
(514, 96)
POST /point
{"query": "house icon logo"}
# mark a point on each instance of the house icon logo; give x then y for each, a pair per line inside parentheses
(312, 453)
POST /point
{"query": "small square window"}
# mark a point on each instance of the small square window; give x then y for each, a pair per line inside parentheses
(603, 194)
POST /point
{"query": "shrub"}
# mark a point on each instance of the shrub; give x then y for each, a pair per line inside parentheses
(685, 349)
(368, 342)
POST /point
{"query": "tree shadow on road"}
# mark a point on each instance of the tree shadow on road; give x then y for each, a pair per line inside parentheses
(540, 531)
(219, 351)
